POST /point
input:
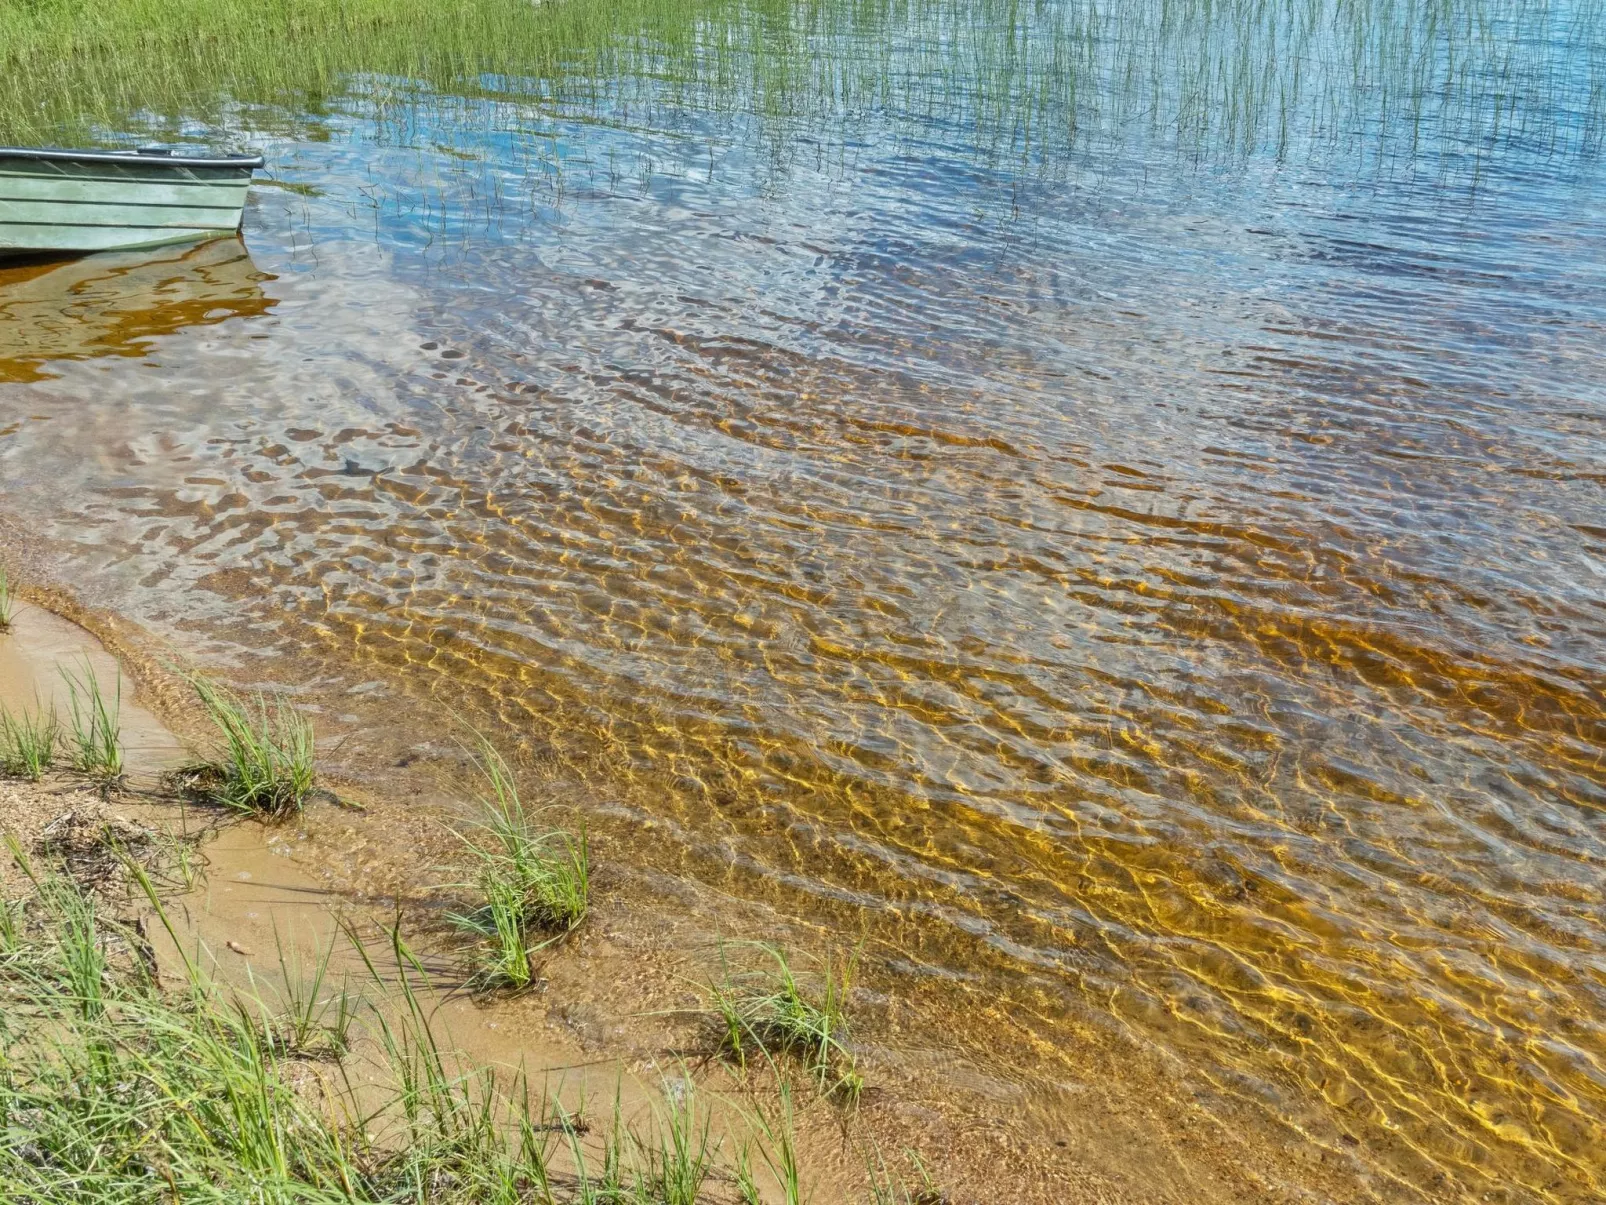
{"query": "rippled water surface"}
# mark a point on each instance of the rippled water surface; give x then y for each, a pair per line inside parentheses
(1173, 584)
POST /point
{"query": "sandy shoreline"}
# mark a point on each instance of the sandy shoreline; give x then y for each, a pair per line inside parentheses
(608, 1007)
(620, 999)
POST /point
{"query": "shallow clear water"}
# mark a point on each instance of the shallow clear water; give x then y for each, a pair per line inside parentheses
(1170, 584)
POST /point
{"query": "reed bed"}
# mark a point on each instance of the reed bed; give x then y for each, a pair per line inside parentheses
(91, 68)
(1450, 80)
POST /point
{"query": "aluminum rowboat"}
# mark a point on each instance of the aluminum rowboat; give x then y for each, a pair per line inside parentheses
(77, 201)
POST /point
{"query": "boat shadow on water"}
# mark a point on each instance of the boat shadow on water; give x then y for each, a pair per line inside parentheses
(116, 303)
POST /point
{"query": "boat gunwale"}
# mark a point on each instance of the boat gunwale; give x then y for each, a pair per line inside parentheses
(169, 181)
(65, 155)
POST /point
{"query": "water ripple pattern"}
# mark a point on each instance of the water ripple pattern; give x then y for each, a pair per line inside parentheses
(1179, 589)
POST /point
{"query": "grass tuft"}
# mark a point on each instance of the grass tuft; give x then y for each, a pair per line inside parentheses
(889, 1187)
(179, 857)
(94, 744)
(265, 765)
(535, 880)
(314, 1023)
(780, 1011)
(676, 1160)
(28, 742)
(13, 945)
(777, 1148)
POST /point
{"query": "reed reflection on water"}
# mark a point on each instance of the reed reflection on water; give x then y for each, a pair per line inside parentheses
(1174, 588)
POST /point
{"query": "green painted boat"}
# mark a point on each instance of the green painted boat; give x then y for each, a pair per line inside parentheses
(65, 201)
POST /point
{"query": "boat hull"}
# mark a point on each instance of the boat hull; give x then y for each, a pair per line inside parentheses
(80, 201)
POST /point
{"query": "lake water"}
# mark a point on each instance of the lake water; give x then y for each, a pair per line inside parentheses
(1152, 581)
